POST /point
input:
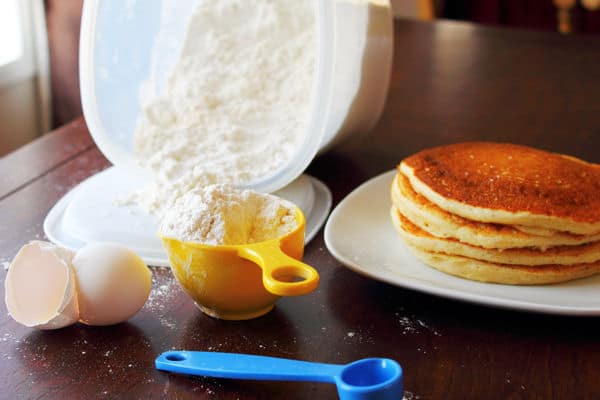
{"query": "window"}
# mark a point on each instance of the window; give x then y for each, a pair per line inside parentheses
(11, 40)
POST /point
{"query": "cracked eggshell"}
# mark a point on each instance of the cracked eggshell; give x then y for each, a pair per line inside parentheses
(40, 287)
(113, 283)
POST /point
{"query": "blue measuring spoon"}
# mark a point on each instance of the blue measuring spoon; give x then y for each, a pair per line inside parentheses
(366, 379)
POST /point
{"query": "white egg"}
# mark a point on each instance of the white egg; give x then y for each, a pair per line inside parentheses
(113, 283)
(40, 287)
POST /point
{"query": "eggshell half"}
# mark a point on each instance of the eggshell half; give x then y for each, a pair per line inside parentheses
(40, 287)
(113, 283)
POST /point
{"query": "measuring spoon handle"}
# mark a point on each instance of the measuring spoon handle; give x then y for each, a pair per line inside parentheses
(242, 366)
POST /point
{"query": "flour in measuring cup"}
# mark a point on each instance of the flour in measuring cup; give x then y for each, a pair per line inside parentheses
(236, 104)
(221, 214)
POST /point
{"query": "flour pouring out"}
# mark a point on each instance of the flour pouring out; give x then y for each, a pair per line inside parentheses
(236, 104)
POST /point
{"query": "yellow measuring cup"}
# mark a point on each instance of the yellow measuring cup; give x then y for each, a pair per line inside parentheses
(244, 281)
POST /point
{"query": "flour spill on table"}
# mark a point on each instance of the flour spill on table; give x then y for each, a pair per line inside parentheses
(9, 337)
(410, 396)
(35, 232)
(361, 336)
(164, 290)
(412, 325)
(209, 386)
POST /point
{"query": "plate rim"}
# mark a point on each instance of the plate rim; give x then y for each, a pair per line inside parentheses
(436, 289)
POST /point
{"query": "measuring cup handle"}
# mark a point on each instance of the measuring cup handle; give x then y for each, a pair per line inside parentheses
(282, 275)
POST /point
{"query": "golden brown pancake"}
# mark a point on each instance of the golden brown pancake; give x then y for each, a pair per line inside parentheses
(438, 222)
(561, 255)
(509, 184)
(485, 271)
(534, 230)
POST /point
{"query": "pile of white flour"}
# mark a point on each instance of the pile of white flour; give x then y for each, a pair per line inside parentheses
(236, 103)
(221, 214)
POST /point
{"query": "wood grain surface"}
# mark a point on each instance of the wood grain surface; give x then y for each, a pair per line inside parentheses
(451, 82)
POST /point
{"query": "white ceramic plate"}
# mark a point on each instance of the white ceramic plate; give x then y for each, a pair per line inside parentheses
(360, 235)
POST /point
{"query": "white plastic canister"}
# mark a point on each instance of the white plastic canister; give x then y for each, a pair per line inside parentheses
(353, 65)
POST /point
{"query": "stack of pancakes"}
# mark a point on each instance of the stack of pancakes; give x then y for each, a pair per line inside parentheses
(500, 213)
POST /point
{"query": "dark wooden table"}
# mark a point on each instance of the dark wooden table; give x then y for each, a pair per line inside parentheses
(451, 82)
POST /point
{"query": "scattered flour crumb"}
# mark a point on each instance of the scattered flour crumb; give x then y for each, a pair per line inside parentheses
(164, 289)
(412, 325)
(5, 265)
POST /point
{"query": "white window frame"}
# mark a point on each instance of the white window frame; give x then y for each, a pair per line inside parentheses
(34, 60)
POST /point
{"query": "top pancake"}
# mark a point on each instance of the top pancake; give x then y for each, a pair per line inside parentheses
(509, 184)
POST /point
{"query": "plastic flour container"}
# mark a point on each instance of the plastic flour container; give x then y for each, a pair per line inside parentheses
(353, 65)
